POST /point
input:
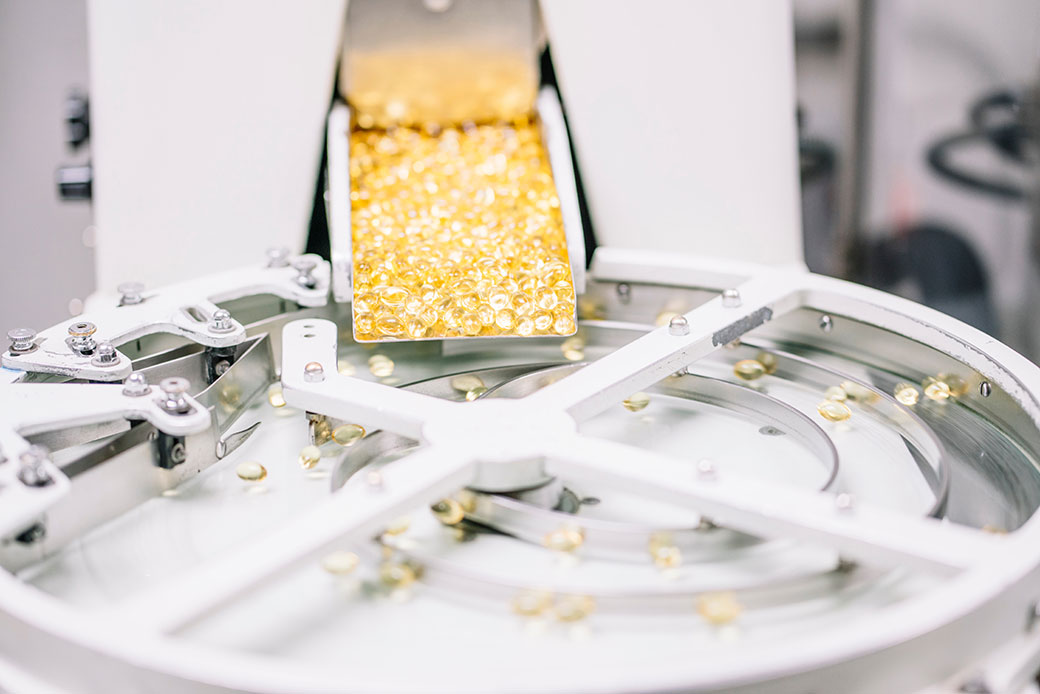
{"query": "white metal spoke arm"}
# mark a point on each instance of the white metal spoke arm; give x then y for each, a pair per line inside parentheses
(83, 347)
(353, 514)
(867, 534)
(665, 350)
(311, 381)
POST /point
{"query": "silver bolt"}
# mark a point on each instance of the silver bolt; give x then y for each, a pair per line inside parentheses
(678, 325)
(130, 293)
(624, 292)
(136, 385)
(985, 389)
(221, 322)
(81, 337)
(278, 256)
(826, 323)
(731, 298)
(844, 502)
(705, 469)
(305, 265)
(173, 399)
(22, 340)
(313, 372)
(106, 355)
(33, 470)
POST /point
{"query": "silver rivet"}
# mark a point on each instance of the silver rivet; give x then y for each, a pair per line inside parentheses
(106, 355)
(624, 292)
(705, 469)
(22, 339)
(33, 470)
(731, 298)
(305, 265)
(844, 502)
(985, 389)
(826, 323)
(278, 256)
(221, 322)
(678, 325)
(136, 385)
(313, 372)
(130, 293)
(173, 400)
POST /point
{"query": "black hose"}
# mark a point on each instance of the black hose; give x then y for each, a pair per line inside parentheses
(938, 159)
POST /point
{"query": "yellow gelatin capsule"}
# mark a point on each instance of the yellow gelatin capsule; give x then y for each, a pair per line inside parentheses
(937, 390)
(340, 562)
(463, 383)
(395, 575)
(565, 539)
(399, 526)
(475, 392)
(836, 393)
(834, 411)
(718, 608)
(275, 397)
(574, 608)
(348, 434)
(309, 457)
(664, 553)
(448, 511)
(906, 394)
(573, 349)
(768, 361)
(749, 369)
(380, 365)
(531, 603)
(251, 471)
(636, 402)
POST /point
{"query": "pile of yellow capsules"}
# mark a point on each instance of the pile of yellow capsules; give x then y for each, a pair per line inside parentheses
(457, 233)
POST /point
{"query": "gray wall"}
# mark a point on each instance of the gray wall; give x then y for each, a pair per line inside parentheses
(45, 261)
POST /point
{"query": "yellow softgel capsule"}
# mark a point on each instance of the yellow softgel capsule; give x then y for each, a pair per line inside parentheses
(565, 539)
(275, 397)
(531, 603)
(573, 349)
(937, 390)
(340, 562)
(749, 369)
(636, 402)
(475, 392)
(251, 471)
(664, 553)
(718, 608)
(348, 434)
(448, 511)
(767, 360)
(574, 608)
(458, 229)
(836, 393)
(395, 575)
(309, 457)
(834, 411)
(906, 393)
(380, 365)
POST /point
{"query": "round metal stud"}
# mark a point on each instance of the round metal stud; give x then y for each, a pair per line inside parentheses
(313, 372)
(173, 392)
(278, 256)
(826, 323)
(136, 385)
(106, 355)
(221, 322)
(731, 298)
(130, 293)
(22, 340)
(678, 325)
(985, 389)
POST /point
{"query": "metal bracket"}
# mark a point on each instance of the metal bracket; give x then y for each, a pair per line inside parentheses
(77, 347)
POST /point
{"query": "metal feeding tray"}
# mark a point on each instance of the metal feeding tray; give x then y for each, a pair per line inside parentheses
(731, 478)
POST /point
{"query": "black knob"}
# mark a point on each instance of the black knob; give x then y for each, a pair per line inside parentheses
(75, 182)
(77, 119)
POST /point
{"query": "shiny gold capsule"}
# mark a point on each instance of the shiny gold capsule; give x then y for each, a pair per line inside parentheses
(340, 562)
(380, 365)
(574, 608)
(565, 539)
(859, 393)
(399, 526)
(275, 397)
(906, 393)
(636, 402)
(958, 386)
(309, 457)
(474, 393)
(448, 511)
(937, 390)
(396, 575)
(834, 411)
(531, 603)
(345, 368)
(718, 608)
(749, 369)
(768, 361)
(463, 383)
(836, 393)
(251, 471)
(348, 434)
(573, 348)
(664, 553)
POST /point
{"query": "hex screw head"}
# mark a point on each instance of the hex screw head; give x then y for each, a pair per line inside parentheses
(731, 298)
(81, 337)
(173, 400)
(33, 470)
(221, 322)
(826, 323)
(313, 372)
(678, 325)
(305, 266)
(106, 355)
(130, 293)
(136, 385)
(22, 340)
(278, 256)
(82, 329)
